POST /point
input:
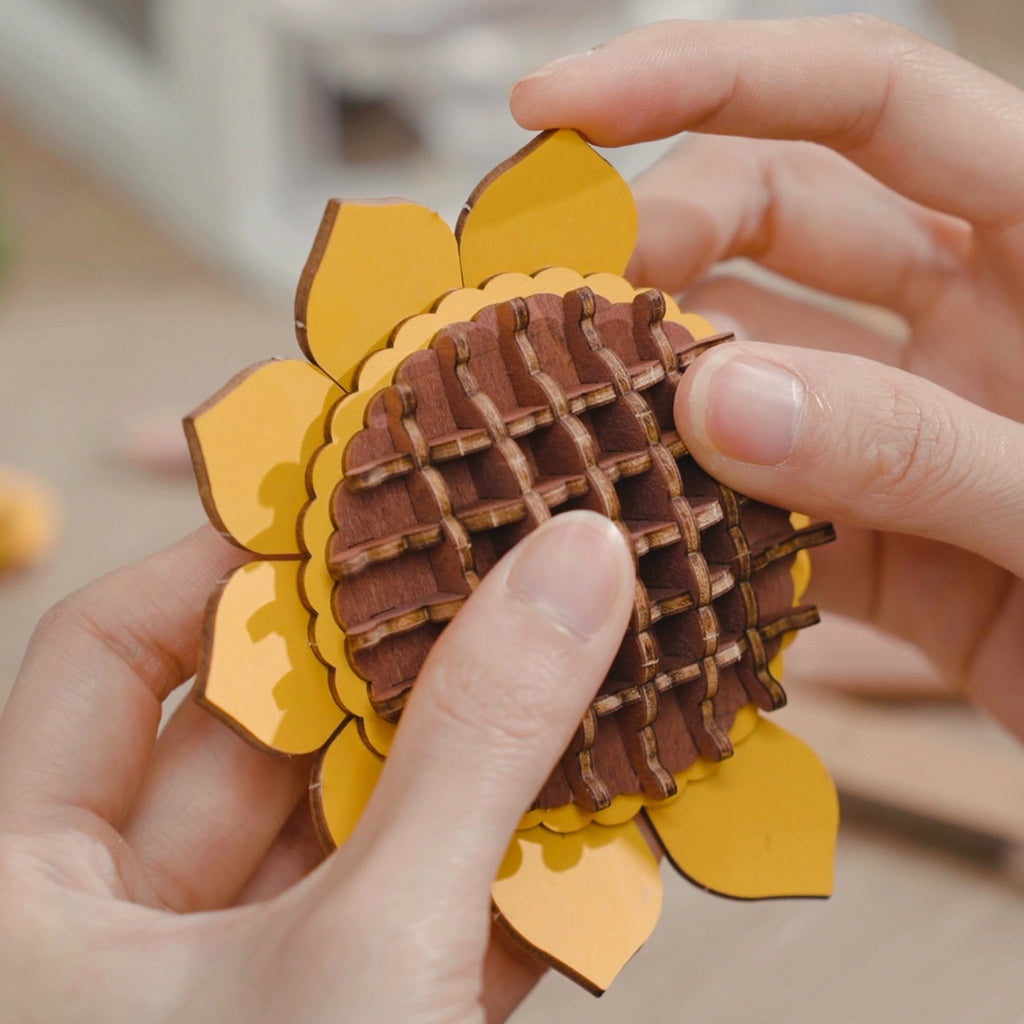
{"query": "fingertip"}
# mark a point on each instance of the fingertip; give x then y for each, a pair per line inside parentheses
(505, 686)
(526, 102)
(690, 405)
(576, 91)
(739, 405)
(549, 70)
(575, 568)
(853, 440)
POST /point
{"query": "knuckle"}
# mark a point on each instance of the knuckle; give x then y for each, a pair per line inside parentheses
(888, 38)
(875, 25)
(56, 619)
(904, 442)
(123, 637)
(909, 455)
(902, 50)
(892, 51)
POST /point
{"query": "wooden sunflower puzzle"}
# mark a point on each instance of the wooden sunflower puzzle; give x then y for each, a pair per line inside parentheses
(460, 390)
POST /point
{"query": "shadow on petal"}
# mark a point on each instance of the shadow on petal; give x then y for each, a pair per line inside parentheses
(555, 203)
(251, 444)
(256, 670)
(373, 264)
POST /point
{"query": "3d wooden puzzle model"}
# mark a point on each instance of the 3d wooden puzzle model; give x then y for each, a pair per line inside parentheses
(461, 389)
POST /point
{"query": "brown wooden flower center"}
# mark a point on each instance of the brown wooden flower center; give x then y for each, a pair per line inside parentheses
(538, 406)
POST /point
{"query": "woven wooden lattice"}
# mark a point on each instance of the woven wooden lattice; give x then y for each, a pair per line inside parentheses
(538, 406)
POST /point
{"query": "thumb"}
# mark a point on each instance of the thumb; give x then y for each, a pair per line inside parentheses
(846, 438)
(499, 698)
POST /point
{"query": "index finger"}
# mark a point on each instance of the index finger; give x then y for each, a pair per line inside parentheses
(83, 715)
(915, 116)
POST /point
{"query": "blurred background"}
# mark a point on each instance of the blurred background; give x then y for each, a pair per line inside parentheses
(163, 168)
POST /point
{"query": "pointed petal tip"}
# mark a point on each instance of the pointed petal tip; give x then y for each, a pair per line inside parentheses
(251, 466)
(584, 902)
(554, 203)
(373, 264)
(256, 670)
(762, 826)
(343, 782)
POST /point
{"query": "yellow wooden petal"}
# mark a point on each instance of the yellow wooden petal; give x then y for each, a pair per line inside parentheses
(624, 807)
(377, 734)
(801, 575)
(377, 371)
(697, 325)
(316, 529)
(372, 265)
(585, 902)
(251, 445)
(350, 690)
(572, 817)
(763, 825)
(417, 332)
(612, 287)
(464, 303)
(315, 581)
(555, 203)
(257, 671)
(342, 785)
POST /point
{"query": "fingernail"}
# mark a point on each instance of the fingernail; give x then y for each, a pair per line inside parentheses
(556, 65)
(572, 569)
(751, 408)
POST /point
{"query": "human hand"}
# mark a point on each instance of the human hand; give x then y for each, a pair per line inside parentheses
(174, 876)
(908, 195)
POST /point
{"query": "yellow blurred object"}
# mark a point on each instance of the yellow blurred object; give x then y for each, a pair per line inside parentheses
(29, 520)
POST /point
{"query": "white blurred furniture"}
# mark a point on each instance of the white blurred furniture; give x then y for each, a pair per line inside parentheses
(225, 117)
(222, 116)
